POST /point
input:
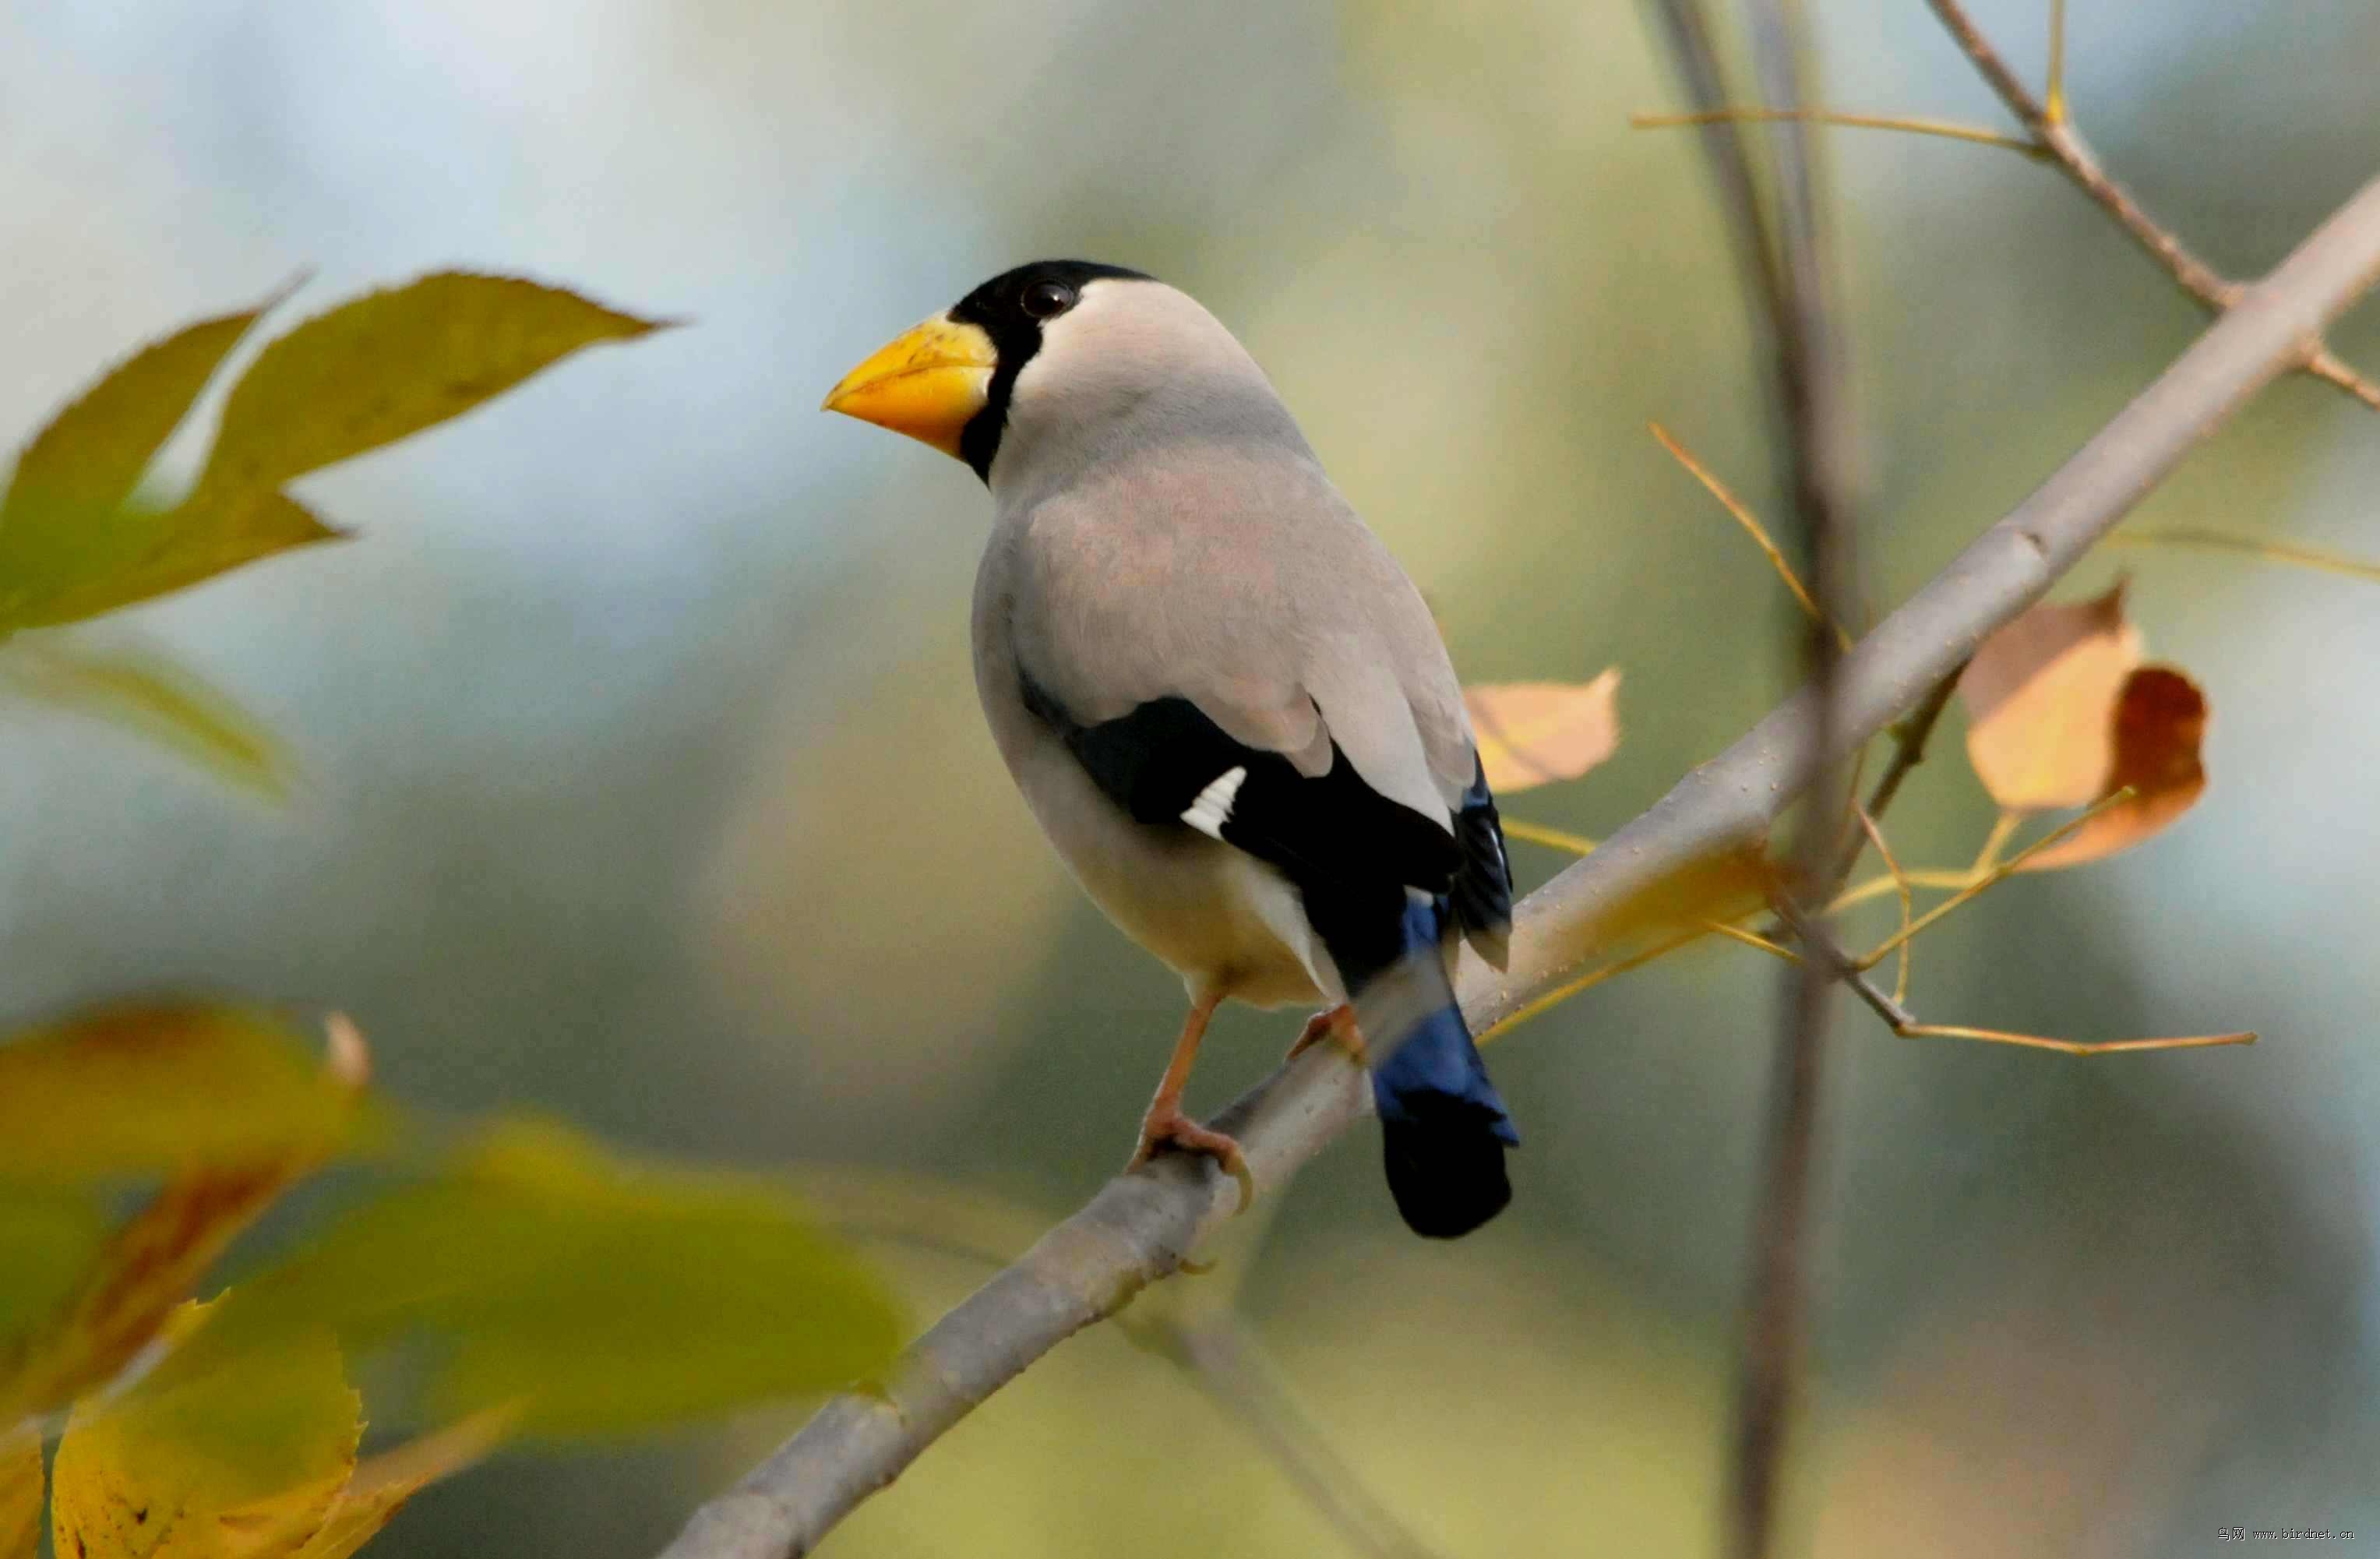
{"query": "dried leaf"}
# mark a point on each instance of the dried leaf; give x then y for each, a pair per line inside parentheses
(382, 1484)
(532, 1253)
(2040, 694)
(1533, 733)
(2160, 721)
(20, 1491)
(149, 694)
(206, 1460)
(392, 363)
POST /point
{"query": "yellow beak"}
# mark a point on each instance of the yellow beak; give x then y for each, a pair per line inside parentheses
(928, 382)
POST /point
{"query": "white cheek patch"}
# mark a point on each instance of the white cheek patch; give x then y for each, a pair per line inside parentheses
(1213, 808)
(1040, 383)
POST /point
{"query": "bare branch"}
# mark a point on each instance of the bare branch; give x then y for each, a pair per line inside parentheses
(1137, 1230)
(1901, 1021)
(2051, 126)
(1812, 386)
(1694, 57)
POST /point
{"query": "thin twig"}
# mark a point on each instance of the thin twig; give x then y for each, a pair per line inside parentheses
(1908, 904)
(2050, 137)
(1743, 515)
(1694, 56)
(2053, 127)
(1212, 1348)
(1539, 1005)
(2004, 827)
(1140, 1228)
(1556, 838)
(1901, 1021)
(1217, 1353)
(1877, 887)
(2255, 546)
(1995, 874)
(2053, 105)
(1948, 129)
(1910, 736)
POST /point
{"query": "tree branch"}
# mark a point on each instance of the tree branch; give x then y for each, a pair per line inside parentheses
(1809, 373)
(1139, 1228)
(2053, 131)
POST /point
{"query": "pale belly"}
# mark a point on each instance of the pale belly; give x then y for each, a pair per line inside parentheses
(1224, 919)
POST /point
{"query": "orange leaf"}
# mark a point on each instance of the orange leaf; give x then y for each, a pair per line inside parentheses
(1531, 733)
(2160, 720)
(2040, 695)
(20, 1491)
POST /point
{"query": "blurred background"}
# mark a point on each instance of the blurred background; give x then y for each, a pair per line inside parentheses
(643, 780)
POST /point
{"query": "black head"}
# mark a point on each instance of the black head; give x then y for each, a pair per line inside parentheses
(1011, 309)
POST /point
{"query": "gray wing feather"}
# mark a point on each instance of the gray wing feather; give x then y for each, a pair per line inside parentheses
(1239, 579)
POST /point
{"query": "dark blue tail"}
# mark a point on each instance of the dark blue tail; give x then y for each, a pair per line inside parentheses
(1443, 1124)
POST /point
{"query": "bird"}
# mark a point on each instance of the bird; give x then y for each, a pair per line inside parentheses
(1221, 698)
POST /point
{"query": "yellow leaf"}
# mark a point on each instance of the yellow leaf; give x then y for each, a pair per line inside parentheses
(2159, 723)
(1531, 733)
(205, 534)
(206, 1460)
(134, 1090)
(392, 363)
(147, 693)
(20, 1491)
(91, 455)
(2041, 696)
(382, 1484)
(532, 1253)
(365, 374)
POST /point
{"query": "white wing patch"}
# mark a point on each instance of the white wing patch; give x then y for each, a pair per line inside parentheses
(1213, 808)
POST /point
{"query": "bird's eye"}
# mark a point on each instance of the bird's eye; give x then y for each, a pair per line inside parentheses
(1047, 300)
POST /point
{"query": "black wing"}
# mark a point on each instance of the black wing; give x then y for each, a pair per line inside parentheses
(1483, 884)
(1157, 762)
(1351, 851)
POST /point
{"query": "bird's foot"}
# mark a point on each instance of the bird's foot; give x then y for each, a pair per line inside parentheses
(1165, 1126)
(1338, 1026)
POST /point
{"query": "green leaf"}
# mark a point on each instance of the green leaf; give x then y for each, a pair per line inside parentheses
(138, 1090)
(392, 363)
(597, 1297)
(90, 458)
(67, 520)
(146, 553)
(50, 1237)
(365, 374)
(150, 695)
